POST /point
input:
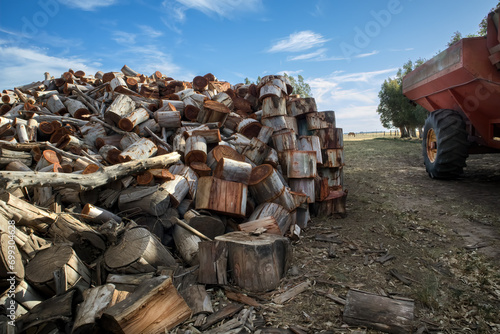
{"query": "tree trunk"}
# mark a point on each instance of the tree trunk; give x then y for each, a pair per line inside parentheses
(196, 150)
(138, 116)
(142, 149)
(11, 180)
(152, 200)
(300, 164)
(186, 244)
(299, 106)
(257, 263)
(256, 151)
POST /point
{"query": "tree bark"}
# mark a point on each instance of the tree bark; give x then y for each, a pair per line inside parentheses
(11, 180)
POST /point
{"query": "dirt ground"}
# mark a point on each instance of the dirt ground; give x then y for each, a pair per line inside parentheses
(444, 236)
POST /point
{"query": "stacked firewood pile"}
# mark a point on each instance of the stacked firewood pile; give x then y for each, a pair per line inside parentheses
(124, 195)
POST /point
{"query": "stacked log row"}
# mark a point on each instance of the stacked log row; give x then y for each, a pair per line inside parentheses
(118, 177)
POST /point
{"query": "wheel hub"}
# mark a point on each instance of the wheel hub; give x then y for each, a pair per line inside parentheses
(431, 142)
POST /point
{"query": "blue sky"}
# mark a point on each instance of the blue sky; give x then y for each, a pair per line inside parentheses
(344, 49)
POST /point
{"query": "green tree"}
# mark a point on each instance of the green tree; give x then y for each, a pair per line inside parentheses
(300, 86)
(457, 35)
(395, 110)
(247, 81)
(483, 26)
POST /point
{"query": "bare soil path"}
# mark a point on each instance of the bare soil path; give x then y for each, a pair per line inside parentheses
(444, 237)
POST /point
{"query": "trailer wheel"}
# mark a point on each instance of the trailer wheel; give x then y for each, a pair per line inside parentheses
(444, 145)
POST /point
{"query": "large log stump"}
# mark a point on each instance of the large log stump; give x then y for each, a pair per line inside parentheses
(257, 263)
(40, 271)
(137, 252)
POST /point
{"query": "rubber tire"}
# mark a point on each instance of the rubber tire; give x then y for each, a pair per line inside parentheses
(452, 144)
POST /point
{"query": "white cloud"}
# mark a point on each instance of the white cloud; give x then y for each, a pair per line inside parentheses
(222, 8)
(306, 56)
(22, 66)
(125, 38)
(290, 72)
(299, 41)
(364, 55)
(149, 31)
(353, 96)
(88, 5)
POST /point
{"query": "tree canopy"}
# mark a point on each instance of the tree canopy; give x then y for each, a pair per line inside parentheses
(300, 86)
(395, 110)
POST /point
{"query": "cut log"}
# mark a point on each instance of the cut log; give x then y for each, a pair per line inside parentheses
(334, 177)
(334, 205)
(142, 149)
(378, 312)
(178, 188)
(137, 252)
(303, 218)
(299, 106)
(27, 214)
(168, 119)
(269, 224)
(272, 158)
(300, 164)
(330, 138)
(277, 211)
(333, 157)
(71, 229)
(275, 122)
(273, 106)
(152, 200)
(232, 170)
(221, 196)
(196, 150)
(8, 156)
(265, 134)
(190, 175)
(211, 226)
(154, 307)
(77, 109)
(269, 89)
(249, 127)
(98, 215)
(193, 105)
(121, 107)
(311, 143)
(55, 105)
(213, 112)
(128, 139)
(24, 295)
(40, 270)
(285, 140)
(113, 140)
(256, 151)
(305, 186)
(11, 263)
(225, 99)
(138, 116)
(91, 132)
(110, 153)
(201, 169)
(213, 262)
(200, 83)
(96, 301)
(187, 245)
(265, 184)
(257, 263)
(321, 120)
(197, 299)
(222, 151)
(55, 314)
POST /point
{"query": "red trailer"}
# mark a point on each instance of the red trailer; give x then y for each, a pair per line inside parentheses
(461, 89)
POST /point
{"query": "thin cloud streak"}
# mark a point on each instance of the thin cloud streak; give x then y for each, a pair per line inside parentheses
(299, 41)
(88, 5)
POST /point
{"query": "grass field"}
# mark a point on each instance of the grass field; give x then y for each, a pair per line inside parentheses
(371, 135)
